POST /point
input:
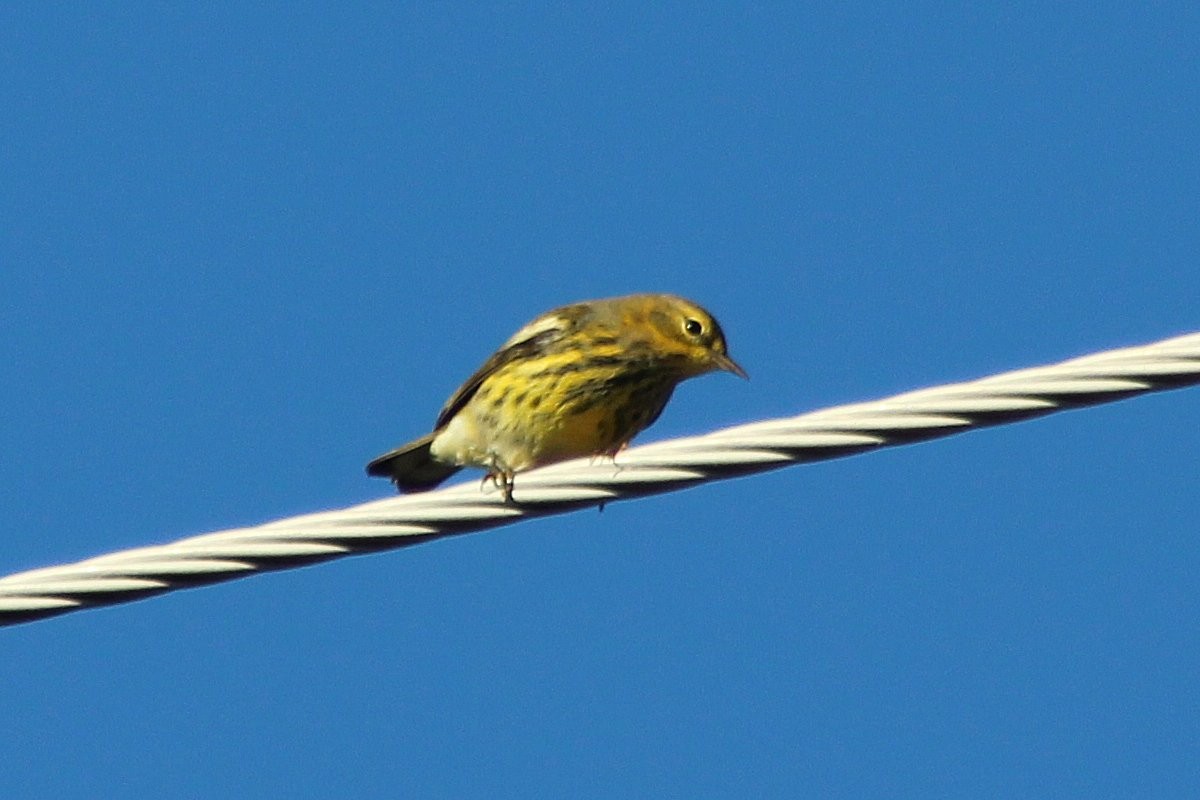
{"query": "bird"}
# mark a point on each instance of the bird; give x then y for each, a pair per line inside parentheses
(580, 380)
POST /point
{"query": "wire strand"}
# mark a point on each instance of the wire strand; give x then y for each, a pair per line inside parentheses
(395, 522)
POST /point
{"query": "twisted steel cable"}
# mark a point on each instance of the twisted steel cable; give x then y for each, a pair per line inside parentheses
(649, 469)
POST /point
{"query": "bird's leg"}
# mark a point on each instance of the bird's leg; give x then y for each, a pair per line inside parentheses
(612, 451)
(501, 477)
(611, 454)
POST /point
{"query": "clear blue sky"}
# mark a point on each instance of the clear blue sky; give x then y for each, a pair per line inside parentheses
(245, 250)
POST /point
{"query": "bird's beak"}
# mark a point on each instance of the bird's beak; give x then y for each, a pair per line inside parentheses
(729, 365)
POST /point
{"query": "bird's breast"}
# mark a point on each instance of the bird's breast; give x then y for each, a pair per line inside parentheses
(554, 422)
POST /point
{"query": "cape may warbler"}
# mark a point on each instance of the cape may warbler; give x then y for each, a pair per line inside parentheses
(580, 380)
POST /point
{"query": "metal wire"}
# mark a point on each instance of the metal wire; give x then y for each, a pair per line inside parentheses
(660, 467)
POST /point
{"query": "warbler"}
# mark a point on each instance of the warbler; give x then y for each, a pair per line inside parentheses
(581, 380)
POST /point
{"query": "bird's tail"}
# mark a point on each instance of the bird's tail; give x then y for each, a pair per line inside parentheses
(412, 467)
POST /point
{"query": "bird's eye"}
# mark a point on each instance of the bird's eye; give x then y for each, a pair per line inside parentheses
(693, 327)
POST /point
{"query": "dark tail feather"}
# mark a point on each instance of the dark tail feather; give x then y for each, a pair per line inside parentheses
(411, 467)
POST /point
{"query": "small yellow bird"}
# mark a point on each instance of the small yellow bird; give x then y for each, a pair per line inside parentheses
(580, 380)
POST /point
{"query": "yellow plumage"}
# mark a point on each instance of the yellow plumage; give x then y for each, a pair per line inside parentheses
(580, 380)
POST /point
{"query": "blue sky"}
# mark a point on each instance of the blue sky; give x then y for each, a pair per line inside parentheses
(247, 249)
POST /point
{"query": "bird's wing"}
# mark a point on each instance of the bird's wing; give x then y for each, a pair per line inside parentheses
(528, 342)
